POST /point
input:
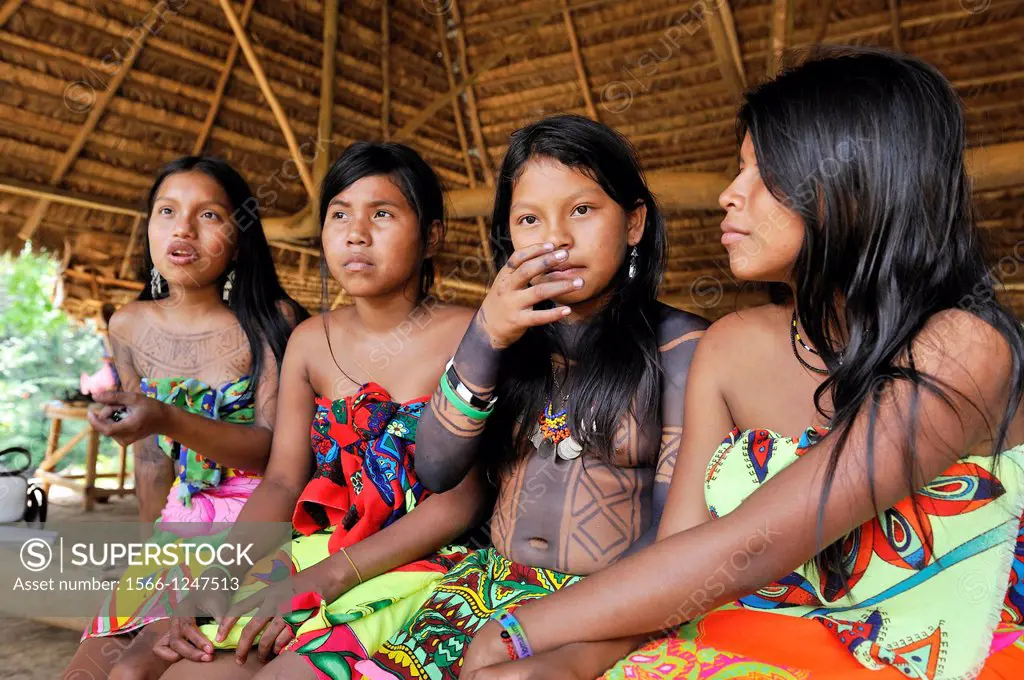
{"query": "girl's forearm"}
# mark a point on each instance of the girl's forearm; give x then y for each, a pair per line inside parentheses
(246, 447)
(447, 439)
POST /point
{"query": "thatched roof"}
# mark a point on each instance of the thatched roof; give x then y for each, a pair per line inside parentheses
(89, 114)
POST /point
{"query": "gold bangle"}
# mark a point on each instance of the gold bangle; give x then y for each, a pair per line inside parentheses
(354, 567)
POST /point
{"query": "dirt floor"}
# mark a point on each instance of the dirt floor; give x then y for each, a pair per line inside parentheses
(30, 650)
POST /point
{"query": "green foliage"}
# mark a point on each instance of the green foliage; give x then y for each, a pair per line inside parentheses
(42, 353)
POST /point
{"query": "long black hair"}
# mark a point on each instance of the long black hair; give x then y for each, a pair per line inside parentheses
(411, 174)
(621, 372)
(868, 148)
(256, 296)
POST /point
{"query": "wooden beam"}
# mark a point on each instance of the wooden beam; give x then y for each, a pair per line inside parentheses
(17, 187)
(489, 25)
(8, 9)
(96, 111)
(385, 69)
(577, 57)
(894, 18)
(222, 85)
(268, 94)
(722, 29)
(483, 156)
(821, 26)
(996, 166)
(127, 260)
(443, 100)
(327, 66)
(86, 277)
(460, 129)
(781, 30)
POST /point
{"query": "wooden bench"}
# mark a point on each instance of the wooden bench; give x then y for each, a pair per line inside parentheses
(57, 412)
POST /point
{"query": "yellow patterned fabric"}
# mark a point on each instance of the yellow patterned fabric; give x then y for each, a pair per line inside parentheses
(927, 588)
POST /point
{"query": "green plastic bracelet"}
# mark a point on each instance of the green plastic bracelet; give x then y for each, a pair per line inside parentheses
(464, 408)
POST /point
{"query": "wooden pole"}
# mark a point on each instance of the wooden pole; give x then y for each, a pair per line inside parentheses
(127, 259)
(222, 85)
(821, 29)
(327, 67)
(443, 99)
(385, 70)
(8, 9)
(460, 128)
(474, 114)
(722, 30)
(268, 94)
(781, 29)
(577, 57)
(894, 18)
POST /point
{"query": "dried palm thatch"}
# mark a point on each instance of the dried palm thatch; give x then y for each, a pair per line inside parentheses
(98, 94)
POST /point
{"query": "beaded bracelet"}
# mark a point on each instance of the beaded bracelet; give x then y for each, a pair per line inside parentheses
(515, 633)
(509, 645)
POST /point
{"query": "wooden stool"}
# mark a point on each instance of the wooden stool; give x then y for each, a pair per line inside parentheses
(57, 412)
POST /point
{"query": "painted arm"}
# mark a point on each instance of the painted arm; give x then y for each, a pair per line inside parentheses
(678, 338)
(446, 439)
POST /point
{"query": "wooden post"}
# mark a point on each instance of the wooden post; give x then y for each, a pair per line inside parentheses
(722, 30)
(222, 85)
(894, 18)
(91, 458)
(781, 30)
(268, 93)
(8, 10)
(51, 446)
(385, 70)
(821, 27)
(474, 114)
(122, 469)
(577, 57)
(127, 259)
(327, 66)
(460, 128)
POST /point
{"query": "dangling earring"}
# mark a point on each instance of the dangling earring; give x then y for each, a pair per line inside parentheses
(228, 284)
(632, 263)
(156, 283)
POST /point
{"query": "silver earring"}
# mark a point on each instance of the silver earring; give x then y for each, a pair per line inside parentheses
(632, 263)
(156, 282)
(228, 285)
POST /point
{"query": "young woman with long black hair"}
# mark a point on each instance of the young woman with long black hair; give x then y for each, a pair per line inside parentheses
(863, 517)
(198, 356)
(354, 383)
(567, 388)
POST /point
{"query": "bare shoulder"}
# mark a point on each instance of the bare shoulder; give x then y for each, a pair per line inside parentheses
(744, 337)
(958, 346)
(124, 323)
(308, 334)
(451, 322)
(454, 313)
(675, 326)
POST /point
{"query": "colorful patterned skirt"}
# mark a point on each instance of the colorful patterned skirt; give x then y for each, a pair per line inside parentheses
(431, 645)
(741, 643)
(333, 636)
(132, 606)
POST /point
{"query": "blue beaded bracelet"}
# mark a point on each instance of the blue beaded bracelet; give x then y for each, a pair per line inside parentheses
(515, 630)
